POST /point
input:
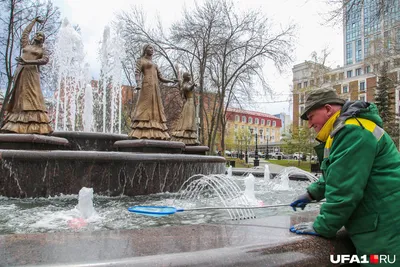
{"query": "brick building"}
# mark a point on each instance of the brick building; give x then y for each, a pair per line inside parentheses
(239, 122)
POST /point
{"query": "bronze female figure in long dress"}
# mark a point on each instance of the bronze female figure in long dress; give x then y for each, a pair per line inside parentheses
(185, 129)
(148, 118)
(26, 111)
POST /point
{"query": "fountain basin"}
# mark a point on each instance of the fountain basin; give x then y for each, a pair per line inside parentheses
(32, 141)
(90, 141)
(256, 242)
(150, 146)
(27, 173)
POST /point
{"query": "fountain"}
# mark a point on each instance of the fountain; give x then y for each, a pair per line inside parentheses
(88, 211)
(87, 148)
(119, 238)
(40, 174)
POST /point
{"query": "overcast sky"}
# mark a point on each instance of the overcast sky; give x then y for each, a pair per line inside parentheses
(93, 15)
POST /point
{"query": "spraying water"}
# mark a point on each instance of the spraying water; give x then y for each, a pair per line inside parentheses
(111, 55)
(249, 193)
(70, 73)
(230, 171)
(88, 109)
(200, 189)
(283, 178)
(85, 203)
(266, 173)
(73, 100)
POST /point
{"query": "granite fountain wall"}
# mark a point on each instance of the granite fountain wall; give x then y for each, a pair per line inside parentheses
(67, 161)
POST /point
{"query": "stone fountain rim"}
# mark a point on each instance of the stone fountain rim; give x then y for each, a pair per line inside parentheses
(82, 134)
(36, 155)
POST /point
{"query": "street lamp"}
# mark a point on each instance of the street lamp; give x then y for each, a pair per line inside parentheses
(261, 133)
(241, 151)
(267, 155)
(246, 155)
(240, 145)
(256, 160)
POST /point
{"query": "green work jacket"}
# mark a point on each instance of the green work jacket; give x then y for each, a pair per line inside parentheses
(361, 182)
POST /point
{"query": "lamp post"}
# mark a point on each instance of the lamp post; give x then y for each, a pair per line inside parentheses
(245, 155)
(240, 155)
(267, 155)
(256, 160)
(238, 148)
(261, 133)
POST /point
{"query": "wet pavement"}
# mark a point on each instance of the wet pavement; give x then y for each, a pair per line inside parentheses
(254, 242)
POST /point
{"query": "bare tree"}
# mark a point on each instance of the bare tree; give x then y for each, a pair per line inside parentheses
(137, 33)
(194, 36)
(245, 42)
(318, 67)
(226, 48)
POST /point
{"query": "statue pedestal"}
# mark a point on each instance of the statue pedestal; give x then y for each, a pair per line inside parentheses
(149, 146)
(198, 150)
(32, 142)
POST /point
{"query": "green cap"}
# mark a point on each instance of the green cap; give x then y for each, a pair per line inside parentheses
(320, 97)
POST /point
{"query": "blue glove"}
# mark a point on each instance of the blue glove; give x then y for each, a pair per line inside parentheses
(304, 229)
(301, 201)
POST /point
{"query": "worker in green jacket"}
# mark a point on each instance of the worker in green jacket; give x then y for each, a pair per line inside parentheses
(360, 175)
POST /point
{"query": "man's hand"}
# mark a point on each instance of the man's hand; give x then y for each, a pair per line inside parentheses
(301, 201)
(304, 229)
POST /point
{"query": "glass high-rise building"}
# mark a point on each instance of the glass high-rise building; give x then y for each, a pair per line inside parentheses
(367, 22)
(371, 38)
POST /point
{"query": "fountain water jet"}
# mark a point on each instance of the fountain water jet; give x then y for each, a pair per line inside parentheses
(249, 190)
(111, 55)
(229, 172)
(85, 204)
(69, 71)
(88, 109)
(266, 173)
(200, 188)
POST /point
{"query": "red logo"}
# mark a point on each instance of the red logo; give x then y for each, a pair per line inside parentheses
(374, 259)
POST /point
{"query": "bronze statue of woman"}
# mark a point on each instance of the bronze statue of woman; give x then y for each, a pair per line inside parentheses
(185, 129)
(148, 118)
(26, 110)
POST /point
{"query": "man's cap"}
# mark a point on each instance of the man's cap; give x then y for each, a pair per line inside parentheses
(320, 97)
